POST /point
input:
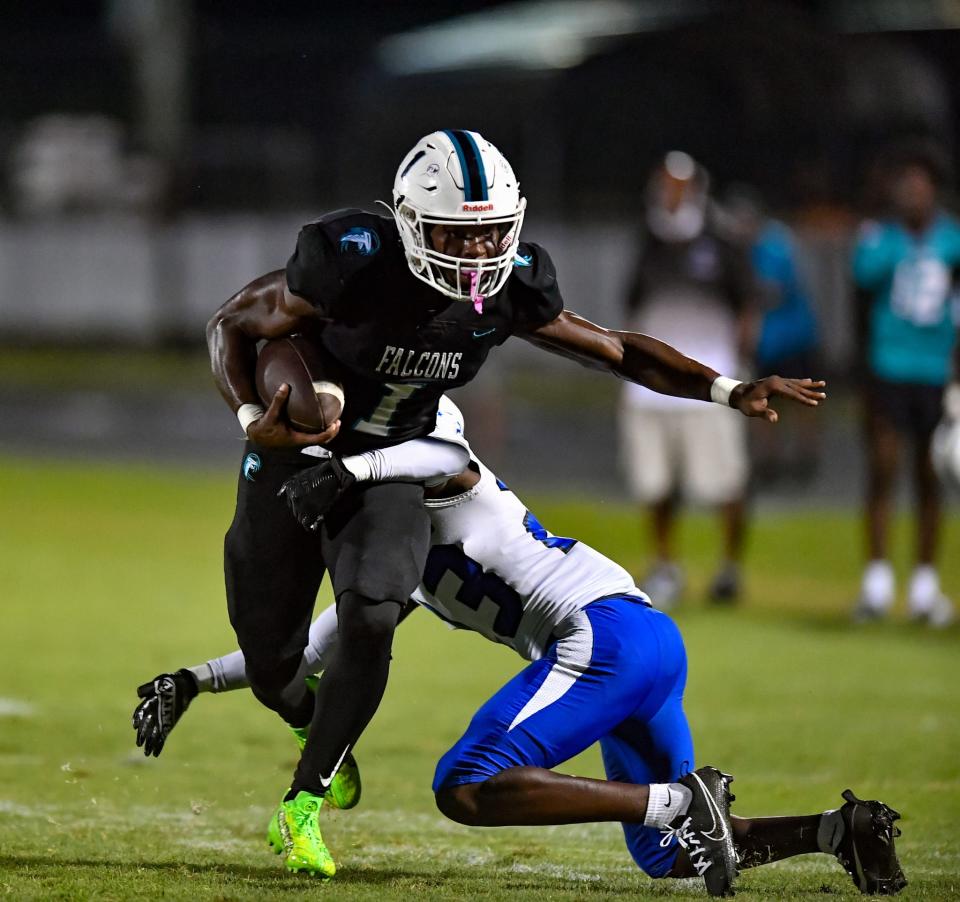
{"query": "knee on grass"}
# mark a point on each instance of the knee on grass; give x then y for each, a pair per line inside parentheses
(462, 804)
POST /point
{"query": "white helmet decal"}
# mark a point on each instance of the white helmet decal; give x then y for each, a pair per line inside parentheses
(456, 177)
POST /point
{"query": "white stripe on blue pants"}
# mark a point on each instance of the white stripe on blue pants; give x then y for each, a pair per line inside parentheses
(616, 676)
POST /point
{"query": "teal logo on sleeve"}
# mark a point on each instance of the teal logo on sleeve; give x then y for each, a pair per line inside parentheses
(360, 241)
(251, 466)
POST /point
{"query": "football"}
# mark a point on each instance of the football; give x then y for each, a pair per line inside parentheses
(316, 396)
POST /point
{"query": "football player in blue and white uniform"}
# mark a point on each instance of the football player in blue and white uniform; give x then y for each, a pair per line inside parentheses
(604, 667)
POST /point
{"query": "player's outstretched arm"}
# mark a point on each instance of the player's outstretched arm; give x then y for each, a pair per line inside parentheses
(661, 367)
(165, 698)
(263, 309)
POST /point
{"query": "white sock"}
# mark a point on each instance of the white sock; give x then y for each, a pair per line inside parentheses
(924, 588)
(667, 802)
(830, 831)
(878, 585)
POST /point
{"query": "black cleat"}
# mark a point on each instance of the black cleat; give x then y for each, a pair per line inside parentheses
(312, 492)
(725, 587)
(866, 848)
(705, 832)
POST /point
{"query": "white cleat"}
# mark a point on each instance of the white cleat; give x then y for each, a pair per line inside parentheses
(939, 614)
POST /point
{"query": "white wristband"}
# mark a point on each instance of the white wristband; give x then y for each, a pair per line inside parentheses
(247, 414)
(721, 389)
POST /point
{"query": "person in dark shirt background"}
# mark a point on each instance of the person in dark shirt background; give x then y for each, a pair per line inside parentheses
(693, 287)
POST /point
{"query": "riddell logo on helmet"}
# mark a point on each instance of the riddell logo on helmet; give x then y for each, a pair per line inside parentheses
(477, 208)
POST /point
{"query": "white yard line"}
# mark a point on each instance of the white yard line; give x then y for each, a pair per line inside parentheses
(16, 707)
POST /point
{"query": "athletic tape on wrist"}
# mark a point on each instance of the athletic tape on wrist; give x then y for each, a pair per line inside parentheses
(721, 389)
(247, 414)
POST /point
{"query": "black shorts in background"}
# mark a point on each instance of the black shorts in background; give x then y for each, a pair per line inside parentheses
(912, 408)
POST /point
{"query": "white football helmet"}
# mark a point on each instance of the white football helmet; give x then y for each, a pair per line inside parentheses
(456, 177)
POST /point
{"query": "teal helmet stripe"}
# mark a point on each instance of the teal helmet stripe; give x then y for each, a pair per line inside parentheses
(471, 164)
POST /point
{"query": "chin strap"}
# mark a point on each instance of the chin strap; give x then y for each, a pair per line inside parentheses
(475, 295)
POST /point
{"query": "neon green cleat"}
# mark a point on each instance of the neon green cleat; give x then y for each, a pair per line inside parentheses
(274, 839)
(297, 822)
(344, 791)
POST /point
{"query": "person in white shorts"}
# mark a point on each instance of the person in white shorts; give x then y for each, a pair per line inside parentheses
(693, 286)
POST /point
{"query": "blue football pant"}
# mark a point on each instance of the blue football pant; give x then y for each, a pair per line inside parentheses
(616, 676)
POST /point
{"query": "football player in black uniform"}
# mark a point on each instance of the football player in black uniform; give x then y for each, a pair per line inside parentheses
(408, 306)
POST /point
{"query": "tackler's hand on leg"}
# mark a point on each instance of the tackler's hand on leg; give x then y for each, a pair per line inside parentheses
(312, 492)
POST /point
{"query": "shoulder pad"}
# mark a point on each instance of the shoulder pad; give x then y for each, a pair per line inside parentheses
(356, 233)
(332, 249)
(533, 267)
(534, 294)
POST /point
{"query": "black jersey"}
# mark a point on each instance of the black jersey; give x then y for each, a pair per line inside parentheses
(401, 344)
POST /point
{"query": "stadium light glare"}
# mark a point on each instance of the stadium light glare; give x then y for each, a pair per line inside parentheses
(534, 34)
(865, 16)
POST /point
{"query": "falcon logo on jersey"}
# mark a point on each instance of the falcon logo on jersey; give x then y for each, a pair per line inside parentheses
(359, 241)
(251, 466)
(427, 364)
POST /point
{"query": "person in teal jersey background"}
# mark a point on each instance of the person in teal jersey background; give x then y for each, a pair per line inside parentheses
(906, 272)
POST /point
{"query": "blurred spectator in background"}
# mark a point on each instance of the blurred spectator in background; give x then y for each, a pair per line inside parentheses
(787, 334)
(905, 269)
(692, 288)
(68, 163)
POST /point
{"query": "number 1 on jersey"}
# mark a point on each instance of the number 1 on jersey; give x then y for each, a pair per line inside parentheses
(378, 422)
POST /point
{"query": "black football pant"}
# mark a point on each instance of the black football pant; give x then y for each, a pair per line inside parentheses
(374, 544)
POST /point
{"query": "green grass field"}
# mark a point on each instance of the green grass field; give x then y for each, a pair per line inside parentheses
(111, 575)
